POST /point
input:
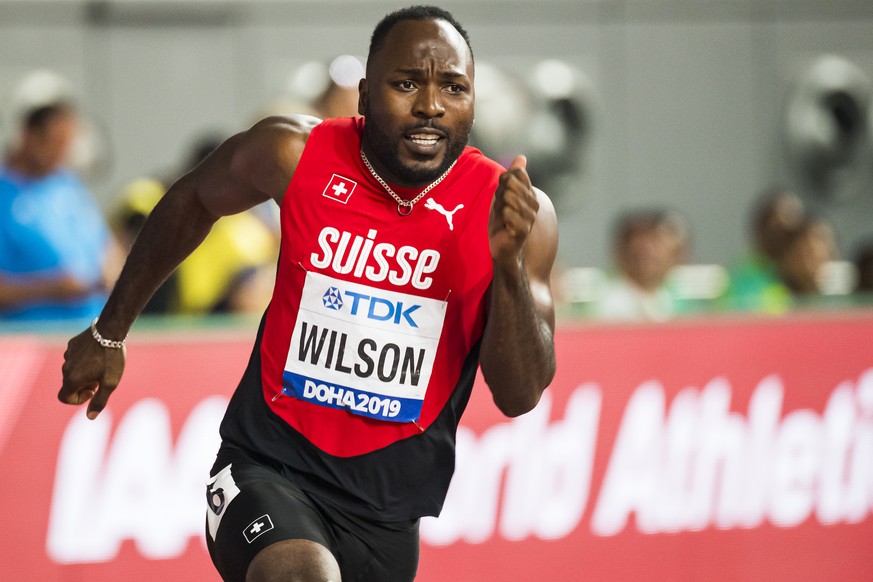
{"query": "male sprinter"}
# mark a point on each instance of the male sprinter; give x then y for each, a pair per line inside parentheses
(341, 433)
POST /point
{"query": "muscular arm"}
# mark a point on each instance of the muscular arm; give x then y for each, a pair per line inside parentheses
(517, 355)
(249, 168)
(246, 170)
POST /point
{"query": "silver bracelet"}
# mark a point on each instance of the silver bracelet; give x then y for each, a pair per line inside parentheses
(106, 343)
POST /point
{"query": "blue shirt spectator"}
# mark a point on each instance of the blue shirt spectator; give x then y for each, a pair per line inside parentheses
(50, 228)
(54, 243)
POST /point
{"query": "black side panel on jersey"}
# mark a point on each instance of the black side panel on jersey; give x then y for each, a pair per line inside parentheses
(405, 480)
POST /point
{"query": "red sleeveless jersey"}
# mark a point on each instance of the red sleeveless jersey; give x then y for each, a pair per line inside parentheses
(374, 314)
(366, 356)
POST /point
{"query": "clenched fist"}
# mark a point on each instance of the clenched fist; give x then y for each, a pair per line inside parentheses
(513, 212)
(90, 373)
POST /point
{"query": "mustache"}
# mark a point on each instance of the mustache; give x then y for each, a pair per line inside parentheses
(429, 124)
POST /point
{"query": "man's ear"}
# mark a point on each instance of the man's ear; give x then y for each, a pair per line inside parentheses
(362, 97)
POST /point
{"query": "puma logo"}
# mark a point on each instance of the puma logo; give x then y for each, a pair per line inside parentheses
(434, 205)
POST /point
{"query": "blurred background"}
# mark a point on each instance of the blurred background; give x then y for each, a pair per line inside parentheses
(706, 159)
(698, 107)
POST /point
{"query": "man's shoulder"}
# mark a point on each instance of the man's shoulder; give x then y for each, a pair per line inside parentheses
(279, 129)
(61, 182)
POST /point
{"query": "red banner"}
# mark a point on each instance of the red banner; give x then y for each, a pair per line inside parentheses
(706, 450)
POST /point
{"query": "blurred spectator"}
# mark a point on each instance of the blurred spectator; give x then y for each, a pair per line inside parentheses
(323, 90)
(211, 274)
(340, 95)
(809, 247)
(57, 256)
(236, 249)
(647, 245)
(249, 291)
(755, 283)
(864, 265)
(224, 273)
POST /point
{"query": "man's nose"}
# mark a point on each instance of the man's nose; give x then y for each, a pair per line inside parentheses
(428, 103)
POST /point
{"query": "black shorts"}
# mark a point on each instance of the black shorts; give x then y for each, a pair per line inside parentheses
(251, 505)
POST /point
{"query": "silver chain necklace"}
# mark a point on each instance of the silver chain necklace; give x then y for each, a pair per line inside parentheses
(404, 207)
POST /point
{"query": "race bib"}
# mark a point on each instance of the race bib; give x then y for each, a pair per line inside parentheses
(367, 350)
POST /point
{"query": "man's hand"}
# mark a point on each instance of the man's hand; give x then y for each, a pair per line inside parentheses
(90, 373)
(513, 212)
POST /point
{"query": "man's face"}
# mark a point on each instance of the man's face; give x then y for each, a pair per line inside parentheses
(648, 255)
(806, 255)
(784, 216)
(418, 102)
(46, 147)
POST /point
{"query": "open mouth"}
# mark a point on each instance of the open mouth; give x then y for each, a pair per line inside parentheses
(424, 142)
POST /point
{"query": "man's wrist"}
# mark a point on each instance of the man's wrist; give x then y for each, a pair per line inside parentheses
(105, 342)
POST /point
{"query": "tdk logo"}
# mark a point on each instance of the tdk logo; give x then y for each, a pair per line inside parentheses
(371, 307)
(332, 299)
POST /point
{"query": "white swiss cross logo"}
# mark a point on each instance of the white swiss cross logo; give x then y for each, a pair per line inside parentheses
(339, 189)
(257, 528)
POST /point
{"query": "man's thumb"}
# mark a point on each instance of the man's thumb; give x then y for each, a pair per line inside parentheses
(519, 162)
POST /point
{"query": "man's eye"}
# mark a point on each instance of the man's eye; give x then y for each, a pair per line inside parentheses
(407, 85)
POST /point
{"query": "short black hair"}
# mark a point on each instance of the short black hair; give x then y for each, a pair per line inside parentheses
(418, 12)
(766, 206)
(37, 118)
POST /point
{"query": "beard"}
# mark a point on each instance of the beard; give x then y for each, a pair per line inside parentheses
(386, 149)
